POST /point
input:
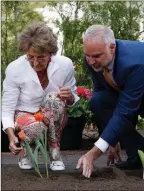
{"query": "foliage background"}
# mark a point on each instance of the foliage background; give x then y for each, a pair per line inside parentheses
(73, 18)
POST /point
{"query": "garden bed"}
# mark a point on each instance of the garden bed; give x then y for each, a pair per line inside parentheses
(103, 178)
(14, 179)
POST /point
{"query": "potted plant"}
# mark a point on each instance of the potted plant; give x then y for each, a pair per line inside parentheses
(77, 117)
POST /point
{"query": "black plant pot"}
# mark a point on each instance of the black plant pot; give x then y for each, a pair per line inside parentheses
(71, 137)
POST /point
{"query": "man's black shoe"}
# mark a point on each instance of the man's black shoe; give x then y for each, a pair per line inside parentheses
(130, 164)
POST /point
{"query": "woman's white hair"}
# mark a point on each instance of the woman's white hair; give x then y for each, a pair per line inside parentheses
(99, 30)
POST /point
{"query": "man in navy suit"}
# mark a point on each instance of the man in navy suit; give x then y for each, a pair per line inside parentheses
(117, 70)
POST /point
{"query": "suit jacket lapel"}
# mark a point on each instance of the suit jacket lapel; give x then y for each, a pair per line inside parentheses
(115, 63)
(118, 70)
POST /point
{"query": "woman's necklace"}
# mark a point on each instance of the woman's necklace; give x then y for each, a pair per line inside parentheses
(42, 77)
(43, 80)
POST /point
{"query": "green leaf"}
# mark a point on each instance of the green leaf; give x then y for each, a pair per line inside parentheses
(45, 140)
(42, 139)
(38, 144)
(32, 158)
(44, 154)
(141, 155)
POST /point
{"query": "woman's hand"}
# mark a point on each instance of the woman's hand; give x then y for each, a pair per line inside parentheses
(13, 146)
(13, 142)
(66, 94)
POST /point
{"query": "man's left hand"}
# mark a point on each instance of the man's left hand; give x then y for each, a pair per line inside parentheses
(87, 160)
(113, 154)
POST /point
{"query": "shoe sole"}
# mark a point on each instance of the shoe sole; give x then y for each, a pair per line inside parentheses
(25, 168)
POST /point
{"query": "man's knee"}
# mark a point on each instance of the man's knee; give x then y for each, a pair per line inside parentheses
(95, 103)
(142, 109)
(97, 107)
(103, 100)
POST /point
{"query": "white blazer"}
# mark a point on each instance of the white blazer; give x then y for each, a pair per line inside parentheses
(22, 89)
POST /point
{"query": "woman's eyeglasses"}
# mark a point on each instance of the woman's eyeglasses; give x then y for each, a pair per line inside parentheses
(40, 59)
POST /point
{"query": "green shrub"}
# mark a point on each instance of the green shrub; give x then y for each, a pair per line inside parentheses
(140, 124)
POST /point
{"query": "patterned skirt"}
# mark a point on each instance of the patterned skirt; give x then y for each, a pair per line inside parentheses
(55, 119)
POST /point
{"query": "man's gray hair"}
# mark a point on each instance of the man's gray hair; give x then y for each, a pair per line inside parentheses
(99, 30)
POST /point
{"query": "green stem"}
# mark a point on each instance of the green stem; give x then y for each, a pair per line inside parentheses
(141, 155)
(44, 153)
(46, 139)
(32, 158)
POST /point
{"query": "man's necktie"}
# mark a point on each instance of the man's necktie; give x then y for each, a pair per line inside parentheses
(109, 79)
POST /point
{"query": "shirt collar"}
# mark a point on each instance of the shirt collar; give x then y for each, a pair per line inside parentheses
(111, 65)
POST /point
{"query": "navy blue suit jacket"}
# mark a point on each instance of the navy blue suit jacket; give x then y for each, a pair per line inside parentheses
(129, 75)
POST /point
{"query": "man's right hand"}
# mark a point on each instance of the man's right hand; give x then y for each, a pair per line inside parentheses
(87, 160)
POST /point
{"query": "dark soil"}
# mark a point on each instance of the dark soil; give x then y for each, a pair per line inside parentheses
(102, 179)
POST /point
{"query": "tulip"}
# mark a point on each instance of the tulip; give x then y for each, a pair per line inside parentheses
(38, 116)
(40, 144)
(21, 135)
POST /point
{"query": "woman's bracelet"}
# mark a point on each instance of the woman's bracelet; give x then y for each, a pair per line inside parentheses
(70, 101)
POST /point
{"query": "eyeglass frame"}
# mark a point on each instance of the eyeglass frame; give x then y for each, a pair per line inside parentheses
(39, 60)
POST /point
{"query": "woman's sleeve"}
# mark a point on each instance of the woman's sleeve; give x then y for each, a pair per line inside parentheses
(10, 96)
(70, 81)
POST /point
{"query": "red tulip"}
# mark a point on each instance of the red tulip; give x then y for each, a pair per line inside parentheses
(38, 116)
(21, 135)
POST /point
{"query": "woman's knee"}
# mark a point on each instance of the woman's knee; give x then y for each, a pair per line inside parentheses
(53, 108)
(51, 102)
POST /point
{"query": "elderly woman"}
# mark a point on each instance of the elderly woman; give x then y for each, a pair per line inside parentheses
(28, 81)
